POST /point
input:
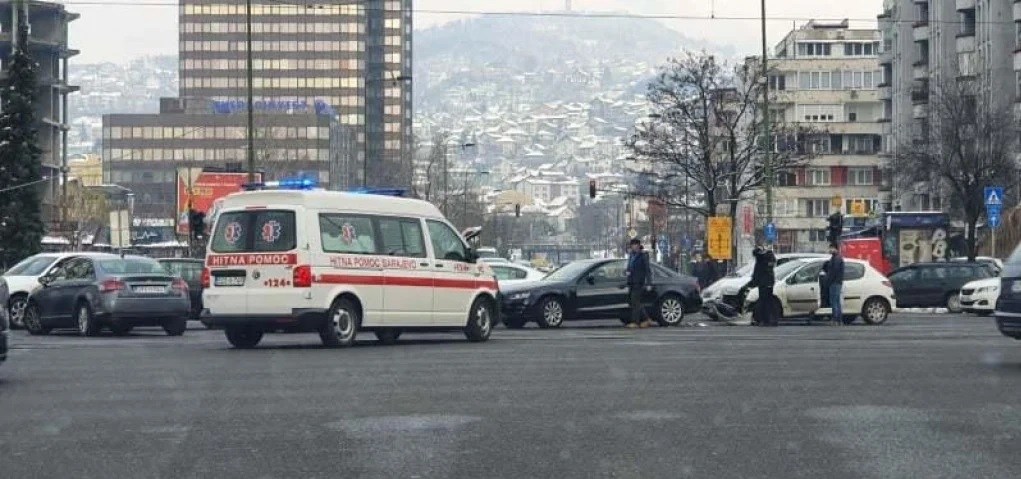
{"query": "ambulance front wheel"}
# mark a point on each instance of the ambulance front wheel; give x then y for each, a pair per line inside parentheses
(480, 321)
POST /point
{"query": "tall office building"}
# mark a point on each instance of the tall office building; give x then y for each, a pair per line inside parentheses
(930, 42)
(824, 76)
(48, 46)
(322, 69)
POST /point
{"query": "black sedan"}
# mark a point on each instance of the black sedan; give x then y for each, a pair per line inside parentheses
(190, 270)
(595, 289)
(105, 290)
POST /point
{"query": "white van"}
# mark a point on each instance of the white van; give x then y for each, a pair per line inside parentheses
(339, 263)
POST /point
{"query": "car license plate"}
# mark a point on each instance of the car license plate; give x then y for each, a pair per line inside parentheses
(228, 281)
(150, 289)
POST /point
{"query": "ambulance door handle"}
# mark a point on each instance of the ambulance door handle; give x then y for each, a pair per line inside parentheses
(439, 265)
(426, 265)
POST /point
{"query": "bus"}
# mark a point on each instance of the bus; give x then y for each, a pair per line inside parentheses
(900, 238)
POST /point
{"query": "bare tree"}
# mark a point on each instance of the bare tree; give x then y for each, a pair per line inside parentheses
(702, 145)
(428, 185)
(966, 146)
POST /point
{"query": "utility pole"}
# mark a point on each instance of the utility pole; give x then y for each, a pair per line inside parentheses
(766, 126)
(249, 75)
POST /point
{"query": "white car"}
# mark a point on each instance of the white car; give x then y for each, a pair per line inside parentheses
(980, 296)
(23, 278)
(867, 293)
(726, 289)
(510, 273)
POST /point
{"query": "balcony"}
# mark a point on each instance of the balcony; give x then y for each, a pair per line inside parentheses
(966, 66)
(920, 111)
(919, 95)
(965, 5)
(1017, 60)
(885, 91)
(966, 42)
(920, 31)
(849, 127)
(921, 71)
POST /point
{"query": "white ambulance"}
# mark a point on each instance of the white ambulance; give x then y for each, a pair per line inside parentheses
(294, 259)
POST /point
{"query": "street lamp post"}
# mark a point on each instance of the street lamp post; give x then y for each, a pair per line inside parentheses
(767, 154)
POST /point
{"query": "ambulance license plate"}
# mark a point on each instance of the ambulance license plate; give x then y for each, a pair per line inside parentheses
(228, 281)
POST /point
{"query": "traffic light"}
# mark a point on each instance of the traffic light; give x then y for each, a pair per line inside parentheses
(197, 223)
(835, 228)
(592, 189)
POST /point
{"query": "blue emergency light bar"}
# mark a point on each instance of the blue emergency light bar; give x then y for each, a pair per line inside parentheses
(381, 191)
(289, 184)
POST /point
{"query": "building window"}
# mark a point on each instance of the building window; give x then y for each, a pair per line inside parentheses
(786, 178)
(860, 176)
(816, 113)
(817, 236)
(777, 82)
(813, 49)
(819, 177)
(817, 208)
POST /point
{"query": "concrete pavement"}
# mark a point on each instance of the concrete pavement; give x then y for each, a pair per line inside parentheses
(923, 396)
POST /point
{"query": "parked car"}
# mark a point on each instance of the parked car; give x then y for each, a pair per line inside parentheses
(23, 277)
(5, 324)
(90, 292)
(726, 289)
(509, 273)
(1008, 304)
(866, 293)
(595, 289)
(190, 270)
(979, 297)
(936, 285)
(987, 260)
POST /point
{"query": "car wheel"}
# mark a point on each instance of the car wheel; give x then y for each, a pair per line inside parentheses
(87, 324)
(551, 313)
(341, 325)
(243, 337)
(120, 329)
(33, 323)
(388, 336)
(875, 311)
(953, 303)
(480, 321)
(514, 323)
(176, 326)
(16, 309)
(670, 311)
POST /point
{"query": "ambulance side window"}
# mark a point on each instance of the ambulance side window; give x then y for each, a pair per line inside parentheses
(446, 242)
(349, 234)
(402, 237)
(255, 231)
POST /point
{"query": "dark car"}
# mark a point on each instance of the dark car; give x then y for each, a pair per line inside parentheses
(936, 285)
(93, 291)
(595, 289)
(190, 270)
(1008, 305)
(5, 324)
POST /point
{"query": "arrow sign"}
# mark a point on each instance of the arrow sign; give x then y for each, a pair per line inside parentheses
(770, 233)
(994, 196)
(993, 221)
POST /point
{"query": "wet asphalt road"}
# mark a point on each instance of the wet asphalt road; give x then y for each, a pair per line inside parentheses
(923, 396)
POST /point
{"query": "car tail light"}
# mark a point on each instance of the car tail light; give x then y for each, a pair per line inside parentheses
(205, 278)
(112, 285)
(887, 283)
(179, 286)
(303, 276)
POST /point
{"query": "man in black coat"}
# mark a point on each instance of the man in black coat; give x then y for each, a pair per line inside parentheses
(639, 279)
(763, 278)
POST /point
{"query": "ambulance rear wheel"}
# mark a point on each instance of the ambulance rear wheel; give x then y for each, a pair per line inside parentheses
(341, 325)
(243, 337)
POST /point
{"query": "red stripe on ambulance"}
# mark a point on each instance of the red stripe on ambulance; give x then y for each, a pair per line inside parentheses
(373, 280)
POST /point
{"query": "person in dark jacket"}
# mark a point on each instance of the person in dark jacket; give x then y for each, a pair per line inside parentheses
(763, 278)
(834, 279)
(639, 279)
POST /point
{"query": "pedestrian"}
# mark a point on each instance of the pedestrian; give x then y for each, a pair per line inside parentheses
(763, 279)
(699, 271)
(834, 270)
(712, 269)
(639, 280)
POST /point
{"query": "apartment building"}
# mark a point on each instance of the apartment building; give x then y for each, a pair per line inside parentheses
(930, 42)
(825, 77)
(320, 69)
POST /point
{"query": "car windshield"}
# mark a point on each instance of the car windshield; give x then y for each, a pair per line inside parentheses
(567, 272)
(33, 266)
(131, 266)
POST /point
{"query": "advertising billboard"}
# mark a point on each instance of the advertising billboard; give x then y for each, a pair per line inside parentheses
(203, 190)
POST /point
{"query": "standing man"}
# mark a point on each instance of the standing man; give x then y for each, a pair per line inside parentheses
(763, 279)
(639, 279)
(834, 270)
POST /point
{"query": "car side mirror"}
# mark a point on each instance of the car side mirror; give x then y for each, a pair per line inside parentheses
(45, 280)
(590, 279)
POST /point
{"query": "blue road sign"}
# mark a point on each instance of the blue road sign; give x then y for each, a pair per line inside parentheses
(993, 221)
(994, 196)
(770, 232)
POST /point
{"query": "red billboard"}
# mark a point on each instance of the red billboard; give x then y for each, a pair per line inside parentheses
(202, 190)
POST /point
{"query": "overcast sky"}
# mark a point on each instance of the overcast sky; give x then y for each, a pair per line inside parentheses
(130, 28)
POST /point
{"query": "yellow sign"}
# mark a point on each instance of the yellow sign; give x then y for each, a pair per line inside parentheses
(720, 241)
(858, 208)
(836, 202)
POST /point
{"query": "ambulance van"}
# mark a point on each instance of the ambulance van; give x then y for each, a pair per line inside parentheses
(295, 259)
